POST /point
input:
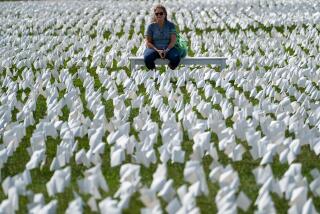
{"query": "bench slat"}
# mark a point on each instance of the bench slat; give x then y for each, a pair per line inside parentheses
(185, 61)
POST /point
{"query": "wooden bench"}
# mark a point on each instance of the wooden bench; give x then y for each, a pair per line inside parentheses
(221, 61)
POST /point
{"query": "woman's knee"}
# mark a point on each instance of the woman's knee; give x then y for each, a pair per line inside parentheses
(149, 56)
(174, 58)
(173, 55)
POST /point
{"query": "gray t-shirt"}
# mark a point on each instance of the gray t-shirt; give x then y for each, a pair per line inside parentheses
(160, 36)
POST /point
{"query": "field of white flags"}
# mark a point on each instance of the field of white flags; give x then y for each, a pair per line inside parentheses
(81, 132)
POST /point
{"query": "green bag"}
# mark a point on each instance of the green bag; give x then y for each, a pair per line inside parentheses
(181, 45)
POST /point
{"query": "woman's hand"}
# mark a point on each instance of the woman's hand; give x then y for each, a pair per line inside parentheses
(162, 53)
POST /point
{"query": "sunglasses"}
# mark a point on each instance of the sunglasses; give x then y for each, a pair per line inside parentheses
(159, 14)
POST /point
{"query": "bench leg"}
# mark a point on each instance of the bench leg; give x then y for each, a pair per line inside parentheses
(132, 65)
(223, 65)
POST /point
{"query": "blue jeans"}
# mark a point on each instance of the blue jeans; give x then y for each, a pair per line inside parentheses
(150, 55)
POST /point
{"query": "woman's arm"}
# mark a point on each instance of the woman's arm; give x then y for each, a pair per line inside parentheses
(149, 43)
(173, 39)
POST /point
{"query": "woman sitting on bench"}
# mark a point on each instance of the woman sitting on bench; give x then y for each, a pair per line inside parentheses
(160, 40)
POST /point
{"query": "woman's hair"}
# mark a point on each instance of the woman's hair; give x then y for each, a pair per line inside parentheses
(159, 6)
